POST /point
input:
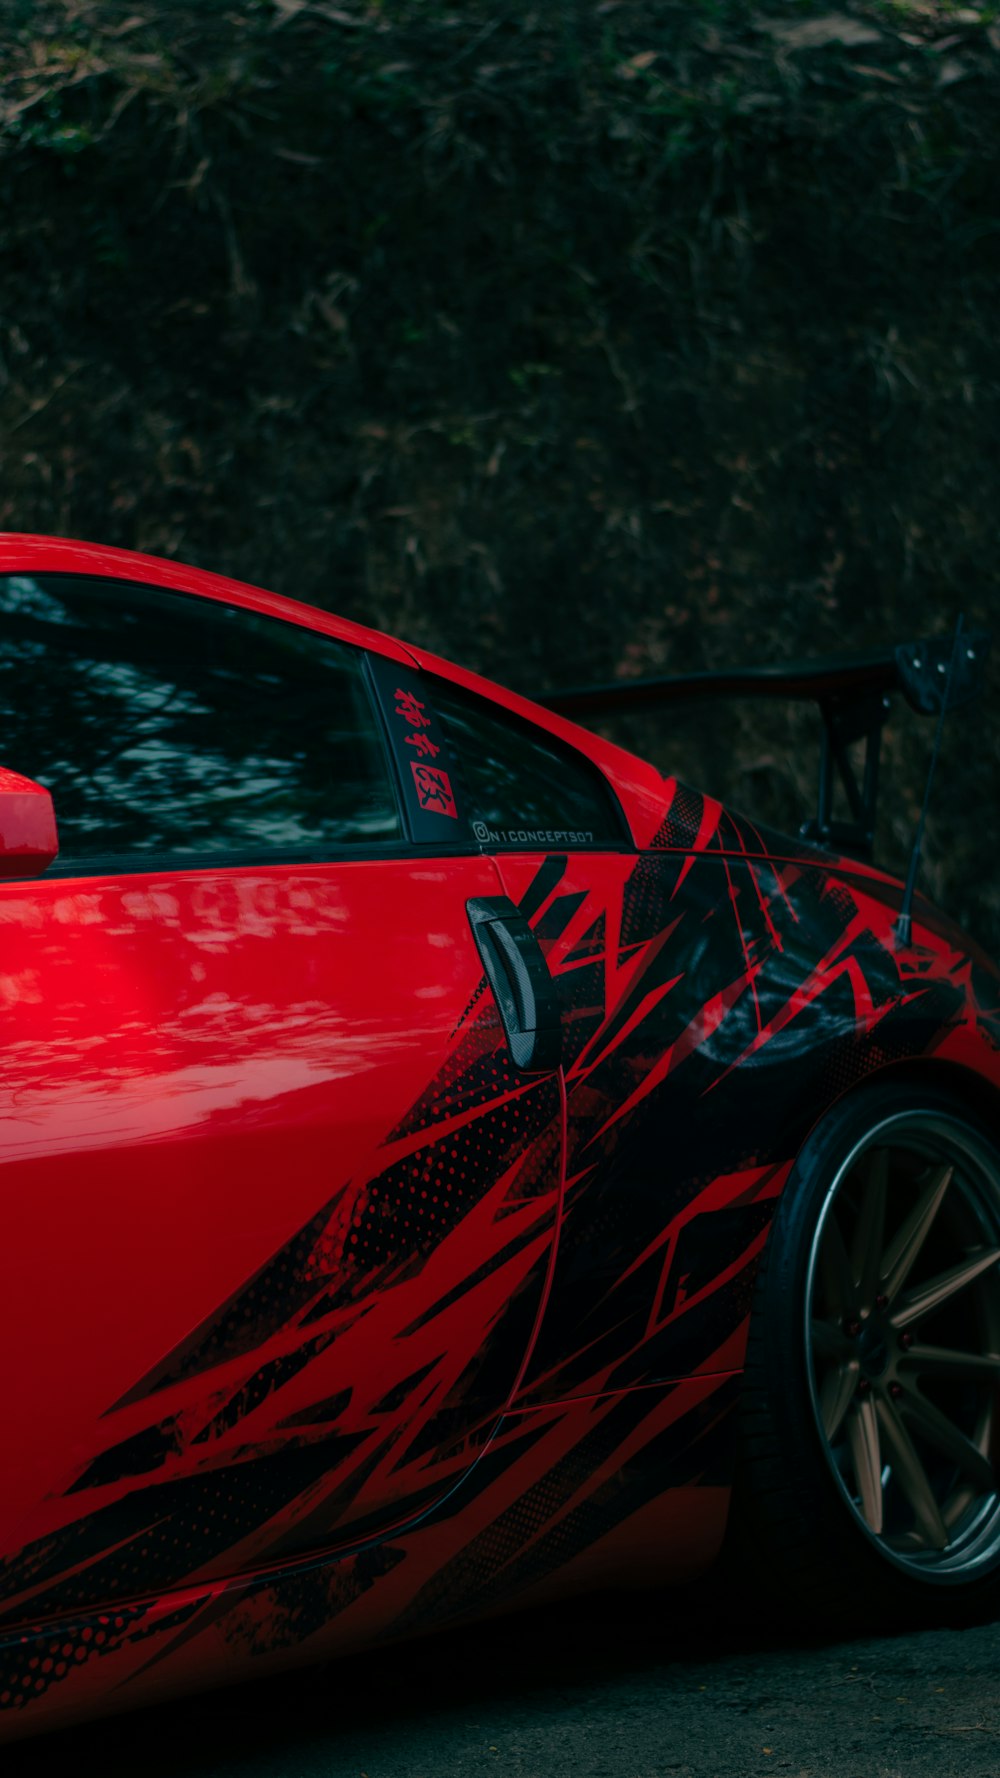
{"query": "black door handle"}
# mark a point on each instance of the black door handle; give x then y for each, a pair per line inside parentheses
(522, 986)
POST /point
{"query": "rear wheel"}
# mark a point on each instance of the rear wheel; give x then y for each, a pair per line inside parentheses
(867, 1485)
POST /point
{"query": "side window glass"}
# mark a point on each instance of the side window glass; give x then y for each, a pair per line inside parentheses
(519, 788)
(164, 723)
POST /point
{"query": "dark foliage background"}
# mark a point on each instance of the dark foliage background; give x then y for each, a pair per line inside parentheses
(575, 340)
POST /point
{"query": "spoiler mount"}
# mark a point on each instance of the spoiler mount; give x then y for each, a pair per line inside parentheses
(854, 701)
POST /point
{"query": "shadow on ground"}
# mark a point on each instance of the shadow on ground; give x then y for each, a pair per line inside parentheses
(616, 1687)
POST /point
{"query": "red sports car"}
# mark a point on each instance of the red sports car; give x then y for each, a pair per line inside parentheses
(446, 1164)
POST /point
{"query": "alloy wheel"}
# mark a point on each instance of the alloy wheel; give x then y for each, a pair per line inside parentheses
(903, 1342)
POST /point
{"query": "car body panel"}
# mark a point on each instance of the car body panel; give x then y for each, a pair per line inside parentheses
(319, 1396)
(626, 1489)
(714, 1009)
(262, 1299)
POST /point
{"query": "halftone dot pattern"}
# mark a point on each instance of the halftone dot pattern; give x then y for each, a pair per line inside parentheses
(646, 900)
(183, 1523)
(140, 1543)
(478, 1071)
(840, 899)
(533, 1537)
(680, 826)
(550, 1538)
(429, 1192)
(540, 1169)
(40, 1658)
(468, 1574)
(617, 1196)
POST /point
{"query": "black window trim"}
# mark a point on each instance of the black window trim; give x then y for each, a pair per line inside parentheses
(135, 864)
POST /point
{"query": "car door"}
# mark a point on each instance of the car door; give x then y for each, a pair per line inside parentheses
(278, 1206)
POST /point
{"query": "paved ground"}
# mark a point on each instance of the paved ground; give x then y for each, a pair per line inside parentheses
(600, 1690)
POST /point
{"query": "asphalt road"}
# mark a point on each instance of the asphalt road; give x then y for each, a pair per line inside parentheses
(602, 1689)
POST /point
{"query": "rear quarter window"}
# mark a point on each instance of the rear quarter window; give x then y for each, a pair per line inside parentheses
(520, 787)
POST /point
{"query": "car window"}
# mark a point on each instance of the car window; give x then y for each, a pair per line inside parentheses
(520, 788)
(164, 723)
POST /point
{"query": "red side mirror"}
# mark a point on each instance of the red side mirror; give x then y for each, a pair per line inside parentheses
(28, 838)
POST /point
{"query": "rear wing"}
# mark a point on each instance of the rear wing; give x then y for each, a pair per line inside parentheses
(854, 700)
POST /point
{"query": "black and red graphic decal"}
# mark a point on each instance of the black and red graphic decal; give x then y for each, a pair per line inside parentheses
(715, 1000)
(434, 790)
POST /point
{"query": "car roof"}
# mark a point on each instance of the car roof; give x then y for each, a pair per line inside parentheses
(638, 784)
(22, 553)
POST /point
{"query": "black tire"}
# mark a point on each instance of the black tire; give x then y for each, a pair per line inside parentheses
(802, 1532)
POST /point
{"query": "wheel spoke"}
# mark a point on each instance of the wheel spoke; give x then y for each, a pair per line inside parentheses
(863, 1437)
(869, 1231)
(938, 1290)
(836, 1395)
(945, 1436)
(909, 1472)
(902, 1251)
(835, 1270)
(941, 1361)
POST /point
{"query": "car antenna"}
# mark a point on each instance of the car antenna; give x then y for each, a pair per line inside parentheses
(904, 924)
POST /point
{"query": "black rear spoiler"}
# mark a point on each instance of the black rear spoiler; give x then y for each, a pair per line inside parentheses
(853, 698)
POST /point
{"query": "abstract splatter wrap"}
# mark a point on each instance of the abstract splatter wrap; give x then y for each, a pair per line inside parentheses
(719, 991)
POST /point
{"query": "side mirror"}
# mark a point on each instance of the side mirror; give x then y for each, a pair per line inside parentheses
(28, 838)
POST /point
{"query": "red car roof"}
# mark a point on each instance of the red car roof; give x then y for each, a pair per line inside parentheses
(21, 553)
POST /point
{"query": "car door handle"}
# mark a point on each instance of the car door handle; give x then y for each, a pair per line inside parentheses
(522, 986)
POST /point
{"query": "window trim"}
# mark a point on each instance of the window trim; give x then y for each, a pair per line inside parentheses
(137, 864)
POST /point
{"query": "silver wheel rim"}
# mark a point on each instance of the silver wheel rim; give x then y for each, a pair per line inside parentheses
(902, 1331)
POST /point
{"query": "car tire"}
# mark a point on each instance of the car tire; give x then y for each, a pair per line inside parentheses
(869, 1421)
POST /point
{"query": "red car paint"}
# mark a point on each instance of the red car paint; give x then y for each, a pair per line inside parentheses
(322, 1322)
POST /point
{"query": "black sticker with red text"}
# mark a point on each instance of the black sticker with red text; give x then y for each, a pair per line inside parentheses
(421, 755)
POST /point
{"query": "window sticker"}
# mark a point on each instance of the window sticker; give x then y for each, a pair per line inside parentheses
(515, 784)
(409, 707)
(424, 746)
(425, 766)
(434, 790)
(532, 836)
